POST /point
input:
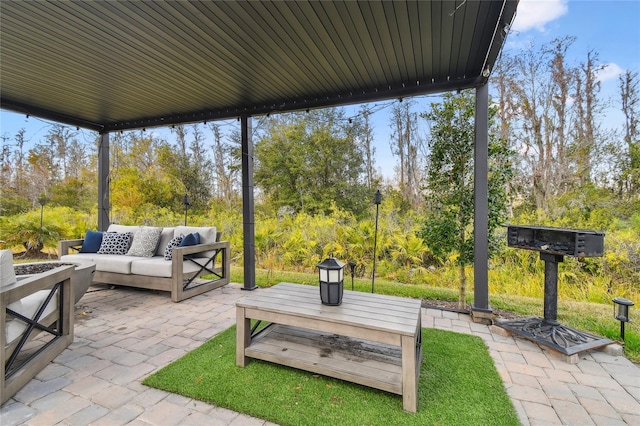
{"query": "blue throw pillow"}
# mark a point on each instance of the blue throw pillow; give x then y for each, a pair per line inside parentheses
(190, 240)
(92, 242)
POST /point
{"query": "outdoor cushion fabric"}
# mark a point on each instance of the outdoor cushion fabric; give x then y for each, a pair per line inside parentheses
(92, 242)
(165, 237)
(157, 267)
(115, 243)
(145, 241)
(175, 242)
(190, 240)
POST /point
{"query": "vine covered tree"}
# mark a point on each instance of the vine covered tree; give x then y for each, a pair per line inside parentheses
(448, 227)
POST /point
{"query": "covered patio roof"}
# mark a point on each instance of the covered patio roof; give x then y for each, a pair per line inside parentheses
(122, 65)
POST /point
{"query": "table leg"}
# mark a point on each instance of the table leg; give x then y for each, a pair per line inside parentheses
(243, 336)
(409, 374)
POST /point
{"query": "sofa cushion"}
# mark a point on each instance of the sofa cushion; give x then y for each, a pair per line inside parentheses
(92, 242)
(175, 242)
(115, 263)
(115, 243)
(207, 234)
(158, 267)
(28, 306)
(145, 241)
(7, 273)
(122, 228)
(165, 237)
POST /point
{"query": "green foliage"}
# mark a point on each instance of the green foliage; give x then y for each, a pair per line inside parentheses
(450, 181)
(310, 161)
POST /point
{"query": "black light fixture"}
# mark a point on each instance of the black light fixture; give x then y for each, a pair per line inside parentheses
(186, 203)
(377, 200)
(42, 201)
(331, 277)
(621, 312)
(352, 265)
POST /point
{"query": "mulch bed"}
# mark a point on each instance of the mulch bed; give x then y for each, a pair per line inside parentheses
(447, 305)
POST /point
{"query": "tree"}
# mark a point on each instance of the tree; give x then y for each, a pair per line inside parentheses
(450, 193)
(406, 145)
(310, 161)
(629, 181)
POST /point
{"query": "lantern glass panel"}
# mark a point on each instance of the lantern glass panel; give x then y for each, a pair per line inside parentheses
(334, 275)
(324, 275)
(623, 313)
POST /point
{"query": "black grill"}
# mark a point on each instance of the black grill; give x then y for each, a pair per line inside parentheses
(553, 244)
(559, 241)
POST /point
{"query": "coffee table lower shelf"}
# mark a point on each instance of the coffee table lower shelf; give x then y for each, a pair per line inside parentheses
(355, 360)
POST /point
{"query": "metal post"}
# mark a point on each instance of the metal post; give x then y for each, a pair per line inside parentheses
(551, 287)
(352, 265)
(186, 203)
(248, 220)
(42, 201)
(103, 182)
(480, 306)
(377, 200)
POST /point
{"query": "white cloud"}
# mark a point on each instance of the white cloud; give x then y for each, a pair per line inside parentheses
(609, 72)
(535, 14)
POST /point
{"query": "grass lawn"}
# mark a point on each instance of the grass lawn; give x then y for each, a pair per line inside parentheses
(458, 385)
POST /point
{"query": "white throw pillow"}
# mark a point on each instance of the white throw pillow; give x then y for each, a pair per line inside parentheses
(145, 241)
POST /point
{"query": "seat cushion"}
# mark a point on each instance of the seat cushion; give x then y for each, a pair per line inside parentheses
(28, 306)
(158, 267)
(117, 263)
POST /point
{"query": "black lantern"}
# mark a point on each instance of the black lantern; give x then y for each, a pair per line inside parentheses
(621, 312)
(331, 276)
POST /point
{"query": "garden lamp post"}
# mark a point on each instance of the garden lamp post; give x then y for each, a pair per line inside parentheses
(621, 312)
(377, 200)
(352, 265)
(42, 202)
(186, 203)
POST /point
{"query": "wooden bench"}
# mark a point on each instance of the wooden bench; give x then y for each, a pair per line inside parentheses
(370, 339)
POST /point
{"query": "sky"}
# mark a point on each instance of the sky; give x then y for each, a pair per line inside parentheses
(609, 27)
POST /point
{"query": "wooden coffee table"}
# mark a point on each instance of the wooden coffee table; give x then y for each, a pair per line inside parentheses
(370, 339)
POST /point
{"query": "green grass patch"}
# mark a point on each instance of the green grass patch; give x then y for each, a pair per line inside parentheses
(458, 385)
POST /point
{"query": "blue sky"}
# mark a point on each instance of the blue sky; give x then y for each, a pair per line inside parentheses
(609, 27)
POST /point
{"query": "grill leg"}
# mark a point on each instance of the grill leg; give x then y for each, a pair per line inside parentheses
(551, 287)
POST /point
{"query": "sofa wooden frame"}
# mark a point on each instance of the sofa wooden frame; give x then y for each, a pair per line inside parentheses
(182, 285)
(23, 358)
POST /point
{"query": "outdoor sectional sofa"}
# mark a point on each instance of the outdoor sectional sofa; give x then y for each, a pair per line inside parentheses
(146, 263)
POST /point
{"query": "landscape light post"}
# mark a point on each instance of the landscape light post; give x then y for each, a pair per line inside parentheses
(42, 202)
(377, 200)
(621, 312)
(352, 265)
(186, 203)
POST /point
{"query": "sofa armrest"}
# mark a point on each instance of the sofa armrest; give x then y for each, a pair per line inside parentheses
(199, 248)
(34, 283)
(65, 245)
(212, 259)
(51, 288)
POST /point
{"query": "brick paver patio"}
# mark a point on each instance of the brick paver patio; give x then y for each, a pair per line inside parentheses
(122, 335)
